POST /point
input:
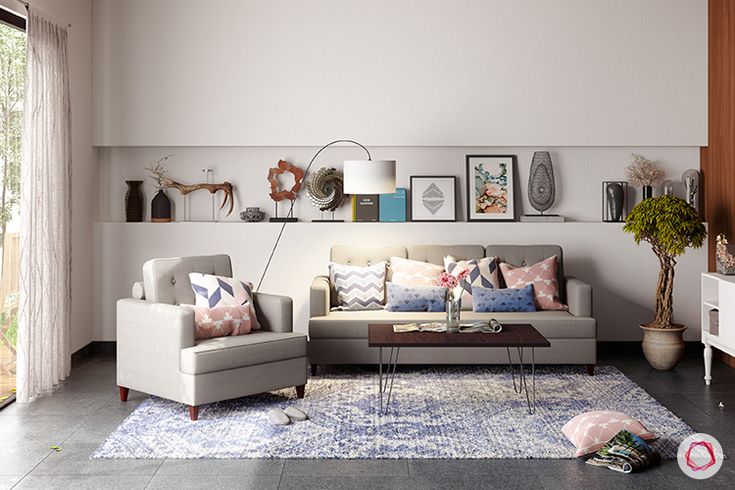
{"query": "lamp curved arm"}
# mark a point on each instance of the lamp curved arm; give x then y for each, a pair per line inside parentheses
(293, 202)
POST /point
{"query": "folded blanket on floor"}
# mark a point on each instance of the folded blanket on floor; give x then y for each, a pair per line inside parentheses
(627, 453)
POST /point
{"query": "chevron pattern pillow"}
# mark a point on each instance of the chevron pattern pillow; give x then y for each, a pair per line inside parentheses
(507, 300)
(482, 272)
(211, 291)
(359, 288)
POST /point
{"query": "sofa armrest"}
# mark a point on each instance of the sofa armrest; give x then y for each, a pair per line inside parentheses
(579, 297)
(319, 298)
(275, 313)
(150, 337)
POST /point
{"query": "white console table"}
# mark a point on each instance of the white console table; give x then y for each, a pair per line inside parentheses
(718, 293)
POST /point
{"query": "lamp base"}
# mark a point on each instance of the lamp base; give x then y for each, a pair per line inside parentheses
(284, 220)
(542, 218)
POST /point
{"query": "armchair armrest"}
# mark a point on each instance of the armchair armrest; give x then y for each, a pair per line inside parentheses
(275, 313)
(579, 297)
(150, 337)
(319, 297)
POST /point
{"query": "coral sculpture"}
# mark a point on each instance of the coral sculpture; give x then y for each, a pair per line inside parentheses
(725, 260)
(643, 172)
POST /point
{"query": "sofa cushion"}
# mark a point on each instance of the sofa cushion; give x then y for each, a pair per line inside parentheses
(223, 353)
(503, 300)
(543, 277)
(414, 273)
(523, 255)
(211, 291)
(482, 272)
(354, 324)
(359, 288)
(402, 298)
(221, 321)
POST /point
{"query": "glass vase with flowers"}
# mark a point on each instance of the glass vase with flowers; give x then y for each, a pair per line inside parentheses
(454, 285)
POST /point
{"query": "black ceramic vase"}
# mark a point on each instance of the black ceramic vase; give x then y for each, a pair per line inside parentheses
(647, 191)
(615, 197)
(161, 208)
(134, 202)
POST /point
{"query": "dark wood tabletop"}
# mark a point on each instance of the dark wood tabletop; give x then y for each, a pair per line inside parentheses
(513, 335)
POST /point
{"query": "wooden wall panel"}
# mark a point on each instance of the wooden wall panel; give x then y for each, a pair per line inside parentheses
(718, 158)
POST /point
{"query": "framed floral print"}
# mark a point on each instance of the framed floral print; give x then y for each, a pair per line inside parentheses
(490, 180)
(433, 198)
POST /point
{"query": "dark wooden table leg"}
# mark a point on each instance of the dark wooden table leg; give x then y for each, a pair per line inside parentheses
(124, 394)
(300, 391)
(193, 412)
(591, 369)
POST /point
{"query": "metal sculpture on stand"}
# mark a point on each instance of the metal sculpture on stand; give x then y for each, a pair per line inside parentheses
(325, 189)
(690, 179)
(541, 188)
(278, 194)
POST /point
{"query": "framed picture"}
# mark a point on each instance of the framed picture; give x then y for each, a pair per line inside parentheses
(433, 198)
(490, 180)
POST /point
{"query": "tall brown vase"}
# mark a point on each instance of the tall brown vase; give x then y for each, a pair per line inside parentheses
(134, 202)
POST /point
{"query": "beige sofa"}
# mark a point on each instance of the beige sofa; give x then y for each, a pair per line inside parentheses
(340, 337)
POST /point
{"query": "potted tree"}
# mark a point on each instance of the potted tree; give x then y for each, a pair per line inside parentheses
(670, 225)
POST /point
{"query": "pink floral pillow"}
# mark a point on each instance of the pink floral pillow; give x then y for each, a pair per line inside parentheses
(590, 431)
(222, 321)
(543, 277)
(414, 273)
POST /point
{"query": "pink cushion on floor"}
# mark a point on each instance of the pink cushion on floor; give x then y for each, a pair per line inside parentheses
(590, 431)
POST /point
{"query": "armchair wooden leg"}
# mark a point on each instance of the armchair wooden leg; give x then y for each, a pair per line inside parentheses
(300, 391)
(124, 394)
(313, 369)
(591, 369)
(193, 412)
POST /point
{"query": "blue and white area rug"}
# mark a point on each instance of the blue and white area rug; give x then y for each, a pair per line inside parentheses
(447, 412)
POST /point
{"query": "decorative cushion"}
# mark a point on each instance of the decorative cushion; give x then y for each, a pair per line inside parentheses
(221, 321)
(506, 300)
(359, 288)
(211, 291)
(590, 431)
(402, 298)
(414, 273)
(543, 277)
(482, 272)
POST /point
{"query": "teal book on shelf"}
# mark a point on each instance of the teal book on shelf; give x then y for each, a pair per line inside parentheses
(393, 206)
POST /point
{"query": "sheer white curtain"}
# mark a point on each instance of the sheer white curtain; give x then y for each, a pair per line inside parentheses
(44, 348)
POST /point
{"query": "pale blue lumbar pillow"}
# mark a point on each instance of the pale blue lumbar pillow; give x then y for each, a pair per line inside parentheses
(503, 300)
(425, 298)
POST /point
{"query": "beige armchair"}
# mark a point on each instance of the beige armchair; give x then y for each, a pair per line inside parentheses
(157, 352)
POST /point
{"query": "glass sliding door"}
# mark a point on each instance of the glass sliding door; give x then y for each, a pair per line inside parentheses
(12, 84)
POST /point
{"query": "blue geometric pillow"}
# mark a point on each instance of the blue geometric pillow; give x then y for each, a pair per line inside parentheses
(425, 298)
(503, 300)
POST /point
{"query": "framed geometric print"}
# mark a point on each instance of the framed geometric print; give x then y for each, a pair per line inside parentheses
(490, 180)
(433, 198)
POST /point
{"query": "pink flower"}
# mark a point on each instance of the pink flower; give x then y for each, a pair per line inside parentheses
(448, 281)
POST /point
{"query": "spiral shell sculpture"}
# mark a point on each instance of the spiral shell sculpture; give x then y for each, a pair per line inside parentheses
(325, 189)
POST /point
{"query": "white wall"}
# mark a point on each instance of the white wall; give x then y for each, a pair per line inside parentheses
(407, 73)
(84, 158)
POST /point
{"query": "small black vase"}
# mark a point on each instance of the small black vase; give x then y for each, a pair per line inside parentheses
(647, 191)
(161, 208)
(615, 197)
(134, 202)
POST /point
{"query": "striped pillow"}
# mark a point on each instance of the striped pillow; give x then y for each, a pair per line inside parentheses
(359, 288)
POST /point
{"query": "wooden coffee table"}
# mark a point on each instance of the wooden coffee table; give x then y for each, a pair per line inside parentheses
(514, 335)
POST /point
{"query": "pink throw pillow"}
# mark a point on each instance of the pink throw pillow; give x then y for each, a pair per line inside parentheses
(222, 321)
(543, 277)
(414, 273)
(590, 431)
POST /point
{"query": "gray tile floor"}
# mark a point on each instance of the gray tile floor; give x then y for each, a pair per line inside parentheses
(81, 413)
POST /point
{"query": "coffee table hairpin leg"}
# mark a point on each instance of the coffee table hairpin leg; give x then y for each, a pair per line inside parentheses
(383, 385)
(523, 382)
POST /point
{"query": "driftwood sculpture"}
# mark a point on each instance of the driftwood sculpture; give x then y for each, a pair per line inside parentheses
(163, 181)
(278, 194)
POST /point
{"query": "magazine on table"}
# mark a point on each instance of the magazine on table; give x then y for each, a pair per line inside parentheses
(490, 326)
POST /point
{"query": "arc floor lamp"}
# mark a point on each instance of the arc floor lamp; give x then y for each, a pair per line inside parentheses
(360, 177)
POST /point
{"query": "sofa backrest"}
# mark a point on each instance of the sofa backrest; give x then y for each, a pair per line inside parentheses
(167, 280)
(522, 255)
(434, 254)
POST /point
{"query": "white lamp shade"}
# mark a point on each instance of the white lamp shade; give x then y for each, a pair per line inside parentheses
(370, 176)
